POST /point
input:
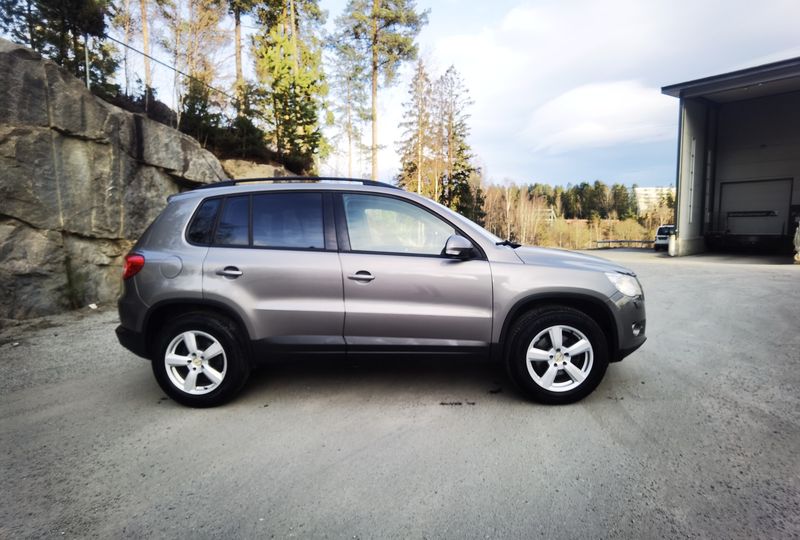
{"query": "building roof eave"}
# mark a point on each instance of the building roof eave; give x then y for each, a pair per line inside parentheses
(775, 71)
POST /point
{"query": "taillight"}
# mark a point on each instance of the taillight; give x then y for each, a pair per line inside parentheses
(133, 263)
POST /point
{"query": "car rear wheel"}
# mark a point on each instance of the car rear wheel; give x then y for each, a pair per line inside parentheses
(556, 354)
(200, 362)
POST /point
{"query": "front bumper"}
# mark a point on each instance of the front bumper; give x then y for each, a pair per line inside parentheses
(631, 322)
(622, 353)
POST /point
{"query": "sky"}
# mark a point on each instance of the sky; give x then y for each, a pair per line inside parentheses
(567, 91)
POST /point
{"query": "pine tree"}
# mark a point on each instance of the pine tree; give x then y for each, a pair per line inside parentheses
(19, 19)
(289, 65)
(124, 20)
(416, 172)
(436, 159)
(622, 201)
(455, 154)
(239, 8)
(383, 32)
(61, 30)
(348, 78)
(193, 34)
(199, 117)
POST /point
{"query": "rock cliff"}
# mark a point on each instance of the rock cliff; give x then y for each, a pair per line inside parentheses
(239, 168)
(79, 181)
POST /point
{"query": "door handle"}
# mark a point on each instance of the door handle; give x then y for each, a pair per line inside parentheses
(361, 275)
(230, 272)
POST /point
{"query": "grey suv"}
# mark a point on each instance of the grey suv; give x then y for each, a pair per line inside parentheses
(240, 271)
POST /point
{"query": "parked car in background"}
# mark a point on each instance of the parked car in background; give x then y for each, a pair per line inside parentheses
(662, 237)
(243, 271)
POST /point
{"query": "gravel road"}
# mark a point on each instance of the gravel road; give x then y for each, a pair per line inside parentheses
(695, 435)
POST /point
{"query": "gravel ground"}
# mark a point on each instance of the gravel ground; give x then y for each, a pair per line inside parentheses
(695, 435)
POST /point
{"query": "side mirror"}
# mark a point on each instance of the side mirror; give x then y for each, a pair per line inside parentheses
(458, 247)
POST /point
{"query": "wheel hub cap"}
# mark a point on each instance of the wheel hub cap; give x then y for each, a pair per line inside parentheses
(559, 358)
(195, 362)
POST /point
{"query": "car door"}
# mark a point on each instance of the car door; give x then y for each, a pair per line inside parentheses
(271, 259)
(400, 291)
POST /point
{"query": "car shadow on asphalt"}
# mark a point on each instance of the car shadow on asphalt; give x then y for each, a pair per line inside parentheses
(450, 382)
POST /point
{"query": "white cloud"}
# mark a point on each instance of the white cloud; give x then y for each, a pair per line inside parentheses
(539, 73)
(555, 77)
(599, 115)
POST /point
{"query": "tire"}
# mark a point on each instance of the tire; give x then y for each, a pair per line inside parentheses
(200, 360)
(567, 377)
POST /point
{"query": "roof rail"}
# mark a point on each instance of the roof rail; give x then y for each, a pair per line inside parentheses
(295, 179)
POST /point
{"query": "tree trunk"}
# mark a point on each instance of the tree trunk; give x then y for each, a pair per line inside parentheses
(237, 20)
(419, 163)
(175, 79)
(508, 214)
(31, 27)
(86, 59)
(419, 147)
(375, 6)
(127, 43)
(75, 55)
(296, 63)
(146, 48)
(349, 127)
(63, 46)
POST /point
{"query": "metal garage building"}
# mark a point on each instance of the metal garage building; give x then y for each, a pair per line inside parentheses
(738, 159)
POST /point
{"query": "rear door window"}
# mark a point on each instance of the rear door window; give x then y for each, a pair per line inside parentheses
(288, 220)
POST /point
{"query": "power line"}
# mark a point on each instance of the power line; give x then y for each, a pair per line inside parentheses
(251, 114)
(173, 68)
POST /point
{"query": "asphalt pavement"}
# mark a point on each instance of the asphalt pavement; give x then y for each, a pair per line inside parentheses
(697, 434)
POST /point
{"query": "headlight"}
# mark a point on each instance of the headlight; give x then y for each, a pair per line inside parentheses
(627, 285)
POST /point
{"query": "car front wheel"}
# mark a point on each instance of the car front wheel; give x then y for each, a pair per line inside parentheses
(556, 354)
(200, 362)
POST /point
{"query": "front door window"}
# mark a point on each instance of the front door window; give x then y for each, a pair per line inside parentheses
(388, 225)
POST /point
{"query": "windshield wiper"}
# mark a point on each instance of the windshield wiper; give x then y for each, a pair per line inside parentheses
(514, 245)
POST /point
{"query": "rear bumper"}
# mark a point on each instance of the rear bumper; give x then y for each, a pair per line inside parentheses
(133, 341)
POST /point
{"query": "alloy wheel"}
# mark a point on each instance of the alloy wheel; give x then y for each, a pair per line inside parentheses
(195, 362)
(559, 358)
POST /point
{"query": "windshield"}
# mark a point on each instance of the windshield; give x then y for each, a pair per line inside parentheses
(467, 223)
(664, 230)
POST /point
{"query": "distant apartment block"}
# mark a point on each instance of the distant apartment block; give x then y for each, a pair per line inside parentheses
(647, 198)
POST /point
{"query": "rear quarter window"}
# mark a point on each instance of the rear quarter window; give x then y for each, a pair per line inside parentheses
(202, 226)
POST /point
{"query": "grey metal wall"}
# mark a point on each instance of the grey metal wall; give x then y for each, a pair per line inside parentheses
(692, 159)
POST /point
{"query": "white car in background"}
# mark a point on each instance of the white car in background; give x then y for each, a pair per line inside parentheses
(662, 237)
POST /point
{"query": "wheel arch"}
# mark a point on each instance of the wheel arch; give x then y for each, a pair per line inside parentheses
(592, 306)
(161, 312)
